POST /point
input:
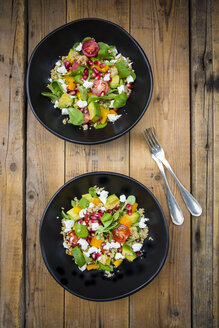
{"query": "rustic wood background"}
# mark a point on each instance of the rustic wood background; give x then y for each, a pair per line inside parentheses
(181, 40)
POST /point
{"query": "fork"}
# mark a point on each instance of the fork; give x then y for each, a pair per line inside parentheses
(157, 151)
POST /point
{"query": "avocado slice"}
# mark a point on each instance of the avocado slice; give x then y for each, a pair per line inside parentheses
(72, 213)
(115, 82)
(112, 201)
(129, 254)
(94, 110)
(65, 101)
(88, 197)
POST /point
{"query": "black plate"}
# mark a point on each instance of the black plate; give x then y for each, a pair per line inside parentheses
(130, 277)
(57, 44)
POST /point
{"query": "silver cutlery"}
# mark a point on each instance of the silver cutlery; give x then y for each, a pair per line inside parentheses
(157, 152)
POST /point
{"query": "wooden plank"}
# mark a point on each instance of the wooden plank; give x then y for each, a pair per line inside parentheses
(204, 163)
(12, 166)
(113, 156)
(45, 174)
(162, 30)
(215, 61)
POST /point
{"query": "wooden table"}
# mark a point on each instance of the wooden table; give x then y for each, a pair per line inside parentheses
(181, 40)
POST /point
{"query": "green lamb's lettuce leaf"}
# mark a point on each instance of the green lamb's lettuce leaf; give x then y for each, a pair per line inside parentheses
(122, 69)
(120, 100)
(92, 192)
(78, 78)
(81, 230)
(73, 203)
(50, 95)
(132, 73)
(75, 45)
(100, 125)
(76, 116)
(79, 70)
(83, 92)
(56, 88)
(106, 51)
(87, 38)
(78, 256)
(84, 202)
(106, 267)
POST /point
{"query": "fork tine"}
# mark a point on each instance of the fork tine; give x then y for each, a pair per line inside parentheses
(148, 133)
(146, 139)
(155, 136)
(152, 136)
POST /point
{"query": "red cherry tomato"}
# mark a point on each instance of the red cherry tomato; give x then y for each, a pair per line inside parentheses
(121, 233)
(75, 65)
(90, 48)
(72, 238)
(100, 87)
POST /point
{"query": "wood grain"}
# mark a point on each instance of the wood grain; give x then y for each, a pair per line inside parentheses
(215, 107)
(113, 156)
(12, 102)
(162, 30)
(204, 98)
(45, 174)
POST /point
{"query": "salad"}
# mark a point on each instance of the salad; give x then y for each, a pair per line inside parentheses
(90, 84)
(100, 231)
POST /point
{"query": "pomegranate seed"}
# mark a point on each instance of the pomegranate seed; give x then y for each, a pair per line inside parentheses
(92, 217)
(72, 92)
(103, 93)
(94, 220)
(128, 206)
(80, 221)
(84, 77)
(110, 211)
(90, 62)
(86, 216)
(106, 73)
(129, 86)
(93, 75)
(129, 212)
(67, 64)
(76, 89)
(108, 237)
(102, 65)
(92, 234)
(96, 62)
(128, 95)
(138, 253)
(68, 90)
(95, 70)
(120, 249)
(88, 239)
(95, 256)
(115, 109)
(82, 110)
(86, 71)
(103, 244)
(117, 207)
(97, 77)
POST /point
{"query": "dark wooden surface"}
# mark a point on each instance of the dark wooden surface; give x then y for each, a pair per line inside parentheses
(181, 40)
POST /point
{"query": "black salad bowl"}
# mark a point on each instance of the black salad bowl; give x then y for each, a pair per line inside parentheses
(129, 277)
(57, 44)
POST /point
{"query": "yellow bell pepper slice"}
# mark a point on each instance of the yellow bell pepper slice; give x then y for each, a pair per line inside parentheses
(93, 266)
(125, 220)
(77, 209)
(104, 113)
(96, 201)
(79, 95)
(117, 263)
(134, 207)
(96, 242)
